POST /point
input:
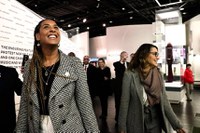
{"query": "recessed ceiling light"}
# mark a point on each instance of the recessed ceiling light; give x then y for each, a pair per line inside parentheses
(84, 20)
(62, 20)
(123, 8)
(131, 17)
(110, 21)
(130, 12)
(104, 25)
(69, 25)
(168, 14)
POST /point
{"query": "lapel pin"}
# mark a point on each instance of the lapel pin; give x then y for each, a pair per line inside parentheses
(67, 74)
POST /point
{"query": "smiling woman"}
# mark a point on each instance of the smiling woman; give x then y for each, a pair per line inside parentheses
(54, 88)
(143, 87)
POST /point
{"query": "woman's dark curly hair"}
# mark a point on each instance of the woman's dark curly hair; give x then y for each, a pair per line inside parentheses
(139, 59)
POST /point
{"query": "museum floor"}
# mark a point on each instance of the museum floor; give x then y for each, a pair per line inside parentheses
(187, 112)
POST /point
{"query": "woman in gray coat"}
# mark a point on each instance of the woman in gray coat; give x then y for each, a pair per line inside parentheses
(144, 105)
(55, 96)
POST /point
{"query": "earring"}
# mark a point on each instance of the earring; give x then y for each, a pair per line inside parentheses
(38, 45)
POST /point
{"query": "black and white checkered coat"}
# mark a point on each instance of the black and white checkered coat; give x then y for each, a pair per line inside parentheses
(70, 107)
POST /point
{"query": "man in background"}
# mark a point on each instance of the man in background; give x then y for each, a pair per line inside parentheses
(91, 72)
(9, 84)
(119, 67)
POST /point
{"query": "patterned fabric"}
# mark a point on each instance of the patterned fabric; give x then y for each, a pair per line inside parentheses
(70, 107)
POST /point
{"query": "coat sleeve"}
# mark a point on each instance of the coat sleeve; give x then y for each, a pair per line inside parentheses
(83, 100)
(17, 82)
(125, 99)
(171, 116)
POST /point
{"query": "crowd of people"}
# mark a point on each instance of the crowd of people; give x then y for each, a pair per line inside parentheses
(58, 90)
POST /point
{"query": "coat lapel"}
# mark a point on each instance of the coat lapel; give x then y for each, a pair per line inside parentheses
(138, 86)
(65, 75)
(34, 96)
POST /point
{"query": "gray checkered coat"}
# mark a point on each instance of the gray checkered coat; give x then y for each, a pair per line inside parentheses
(70, 107)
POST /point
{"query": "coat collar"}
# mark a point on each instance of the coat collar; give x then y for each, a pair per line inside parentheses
(138, 86)
(65, 75)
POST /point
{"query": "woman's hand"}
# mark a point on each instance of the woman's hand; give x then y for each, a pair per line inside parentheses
(180, 130)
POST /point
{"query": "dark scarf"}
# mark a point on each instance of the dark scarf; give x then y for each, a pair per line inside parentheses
(153, 85)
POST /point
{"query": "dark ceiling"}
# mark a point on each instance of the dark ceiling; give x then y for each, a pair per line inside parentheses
(70, 13)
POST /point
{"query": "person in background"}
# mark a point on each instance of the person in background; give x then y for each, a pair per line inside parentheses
(72, 54)
(55, 96)
(132, 55)
(104, 87)
(189, 81)
(10, 84)
(119, 67)
(91, 72)
(144, 105)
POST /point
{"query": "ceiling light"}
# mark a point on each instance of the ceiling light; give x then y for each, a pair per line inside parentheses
(131, 17)
(110, 21)
(130, 12)
(84, 20)
(104, 25)
(69, 25)
(168, 4)
(62, 20)
(158, 2)
(123, 8)
(98, 5)
(88, 28)
(167, 13)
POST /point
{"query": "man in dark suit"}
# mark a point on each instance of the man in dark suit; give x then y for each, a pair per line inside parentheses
(9, 83)
(119, 67)
(91, 71)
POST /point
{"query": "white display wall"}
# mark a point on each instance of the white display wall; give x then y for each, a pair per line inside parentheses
(17, 24)
(193, 45)
(16, 32)
(120, 38)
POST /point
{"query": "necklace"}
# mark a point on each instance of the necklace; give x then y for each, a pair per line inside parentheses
(47, 81)
(48, 73)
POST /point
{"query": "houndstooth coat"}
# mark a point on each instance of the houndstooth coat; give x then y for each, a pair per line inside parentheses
(70, 107)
